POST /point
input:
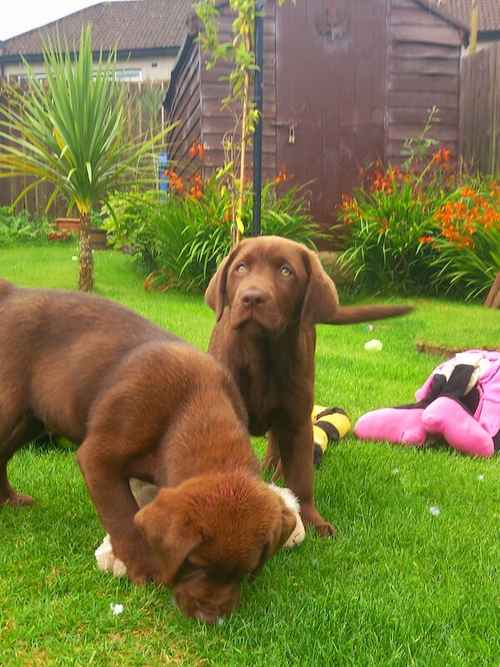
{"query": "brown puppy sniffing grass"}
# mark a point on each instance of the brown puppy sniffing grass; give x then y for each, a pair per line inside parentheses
(141, 403)
(268, 295)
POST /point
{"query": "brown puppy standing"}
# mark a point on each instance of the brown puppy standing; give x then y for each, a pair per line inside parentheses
(268, 295)
(141, 403)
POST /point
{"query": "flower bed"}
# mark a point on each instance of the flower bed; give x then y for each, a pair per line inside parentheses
(424, 230)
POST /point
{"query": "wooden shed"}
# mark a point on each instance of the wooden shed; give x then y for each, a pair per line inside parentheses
(345, 82)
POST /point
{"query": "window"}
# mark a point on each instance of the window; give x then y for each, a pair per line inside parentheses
(128, 75)
(20, 78)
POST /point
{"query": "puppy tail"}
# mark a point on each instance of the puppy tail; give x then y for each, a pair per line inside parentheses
(351, 315)
(5, 288)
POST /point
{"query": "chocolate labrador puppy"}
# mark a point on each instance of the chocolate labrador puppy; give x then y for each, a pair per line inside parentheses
(141, 403)
(268, 295)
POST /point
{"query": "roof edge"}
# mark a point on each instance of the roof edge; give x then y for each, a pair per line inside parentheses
(121, 54)
(184, 52)
(442, 13)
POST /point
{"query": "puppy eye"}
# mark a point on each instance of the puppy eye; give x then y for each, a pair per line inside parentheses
(286, 270)
(241, 268)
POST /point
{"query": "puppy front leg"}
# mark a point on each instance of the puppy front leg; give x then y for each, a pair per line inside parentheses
(296, 449)
(116, 507)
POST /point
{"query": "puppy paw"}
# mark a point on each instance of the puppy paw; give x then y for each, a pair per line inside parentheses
(312, 517)
(106, 560)
(15, 499)
(325, 529)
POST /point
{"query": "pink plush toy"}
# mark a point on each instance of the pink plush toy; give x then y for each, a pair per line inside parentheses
(459, 402)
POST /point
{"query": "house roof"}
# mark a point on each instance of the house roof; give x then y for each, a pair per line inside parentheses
(127, 25)
(489, 12)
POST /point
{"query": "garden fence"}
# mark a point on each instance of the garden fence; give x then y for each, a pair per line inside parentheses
(144, 114)
(480, 110)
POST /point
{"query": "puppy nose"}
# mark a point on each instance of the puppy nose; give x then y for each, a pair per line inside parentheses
(254, 297)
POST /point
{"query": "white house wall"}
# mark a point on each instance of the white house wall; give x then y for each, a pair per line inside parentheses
(151, 69)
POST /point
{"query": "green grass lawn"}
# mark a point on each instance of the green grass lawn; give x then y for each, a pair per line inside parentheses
(398, 586)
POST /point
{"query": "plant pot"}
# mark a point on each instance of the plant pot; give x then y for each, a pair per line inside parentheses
(98, 237)
(71, 225)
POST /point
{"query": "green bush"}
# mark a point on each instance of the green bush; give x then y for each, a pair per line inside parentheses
(421, 231)
(18, 228)
(466, 242)
(180, 238)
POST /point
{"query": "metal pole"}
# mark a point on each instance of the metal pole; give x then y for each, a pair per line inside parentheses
(259, 104)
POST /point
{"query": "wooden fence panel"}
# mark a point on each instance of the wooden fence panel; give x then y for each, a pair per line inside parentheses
(480, 110)
(144, 118)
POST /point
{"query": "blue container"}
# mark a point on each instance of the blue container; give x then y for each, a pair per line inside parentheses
(162, 167)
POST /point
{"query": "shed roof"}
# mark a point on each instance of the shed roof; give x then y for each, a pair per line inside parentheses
(126, 25)
(489, 12)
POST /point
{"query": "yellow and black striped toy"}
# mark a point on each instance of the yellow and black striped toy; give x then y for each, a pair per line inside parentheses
(329, 426)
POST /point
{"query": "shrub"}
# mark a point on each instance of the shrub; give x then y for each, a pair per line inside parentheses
(20, 228)
(389, 219)
(181, 238)
(421, 231)
(466, 240)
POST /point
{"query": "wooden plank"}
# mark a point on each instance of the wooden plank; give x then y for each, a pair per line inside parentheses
(415, 15)
(443, 34)
(495, 145)
(439, 132)
(411, 116)
(412, 50)
(493, 298)
(403, 4)
(422, 66)
(395, 148)
(430, 84)
(422, 100)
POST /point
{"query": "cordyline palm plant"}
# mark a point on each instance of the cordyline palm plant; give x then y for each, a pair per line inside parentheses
(69, 131)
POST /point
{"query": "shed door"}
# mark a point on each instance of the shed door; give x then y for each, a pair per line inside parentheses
(331, 95)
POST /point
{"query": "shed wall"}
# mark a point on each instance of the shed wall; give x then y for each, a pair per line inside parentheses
(185, 108)
(217, 122)
(423, 70)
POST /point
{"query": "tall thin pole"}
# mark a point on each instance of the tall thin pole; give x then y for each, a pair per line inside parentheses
(259, 106)
(474, 21)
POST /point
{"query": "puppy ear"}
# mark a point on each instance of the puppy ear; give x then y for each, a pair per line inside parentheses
(167, 527)
(321, 299)
(280, 534)
(216, 293)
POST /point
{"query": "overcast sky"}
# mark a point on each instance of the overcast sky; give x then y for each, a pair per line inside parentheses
(19, 16)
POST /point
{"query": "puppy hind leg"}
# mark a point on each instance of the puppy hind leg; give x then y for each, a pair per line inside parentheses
(11, 439)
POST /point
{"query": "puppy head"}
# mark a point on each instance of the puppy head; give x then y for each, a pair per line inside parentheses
(270, 282)
(267, 282)
(209, 534)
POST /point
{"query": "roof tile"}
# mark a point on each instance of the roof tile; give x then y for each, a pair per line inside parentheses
(489, 12)
(126, 25)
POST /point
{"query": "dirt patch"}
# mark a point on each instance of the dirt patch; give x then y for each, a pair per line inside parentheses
(443, 351)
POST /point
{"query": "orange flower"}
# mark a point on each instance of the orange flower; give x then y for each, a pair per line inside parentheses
(196, 193)
(281, 177)
(175, 181)
(442, 156)
(197, 149)
(425, 240)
